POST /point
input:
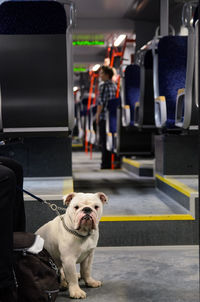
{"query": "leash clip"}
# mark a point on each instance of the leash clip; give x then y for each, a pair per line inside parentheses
(53, 206)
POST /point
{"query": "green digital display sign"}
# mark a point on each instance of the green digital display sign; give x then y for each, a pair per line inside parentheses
(87, 42)
(80, 69)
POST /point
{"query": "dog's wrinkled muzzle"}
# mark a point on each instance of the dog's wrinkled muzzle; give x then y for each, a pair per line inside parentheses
(85, 220)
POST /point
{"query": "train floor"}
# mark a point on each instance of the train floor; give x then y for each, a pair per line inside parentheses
(135, 273)
(131, 273)
(128, 195)
(144, 274)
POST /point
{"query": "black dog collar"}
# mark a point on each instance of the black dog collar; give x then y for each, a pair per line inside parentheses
(72, 231)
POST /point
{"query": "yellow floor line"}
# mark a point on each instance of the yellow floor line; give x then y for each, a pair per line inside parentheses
(131, 162)
(148, 217)
(77, 145)
(68, 186)
(184, 189)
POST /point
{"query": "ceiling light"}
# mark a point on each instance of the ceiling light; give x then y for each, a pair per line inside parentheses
(119, 40)
(96, 67)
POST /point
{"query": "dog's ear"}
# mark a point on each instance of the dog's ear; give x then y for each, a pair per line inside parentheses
(67, 198)
(102, 197)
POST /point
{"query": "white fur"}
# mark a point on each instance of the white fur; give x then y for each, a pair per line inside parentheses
(67, 249)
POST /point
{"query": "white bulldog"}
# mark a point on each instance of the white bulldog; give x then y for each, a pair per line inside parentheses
(72, 238)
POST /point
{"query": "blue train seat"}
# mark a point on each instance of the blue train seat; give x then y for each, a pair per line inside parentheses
(87, 119)
(144, 108)
(90, 120)
(93, 112)
(36, 69)
(137, 108)
(111, 123)
(78, 129)
(187, 110)
(130, 93)
(81, 118)
(169, 76)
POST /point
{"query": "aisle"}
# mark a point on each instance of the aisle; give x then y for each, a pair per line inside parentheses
(127, 195)
(144, 274)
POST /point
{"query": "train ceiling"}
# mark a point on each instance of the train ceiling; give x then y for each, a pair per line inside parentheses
(103, 20)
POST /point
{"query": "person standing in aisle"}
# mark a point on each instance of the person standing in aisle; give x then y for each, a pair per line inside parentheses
(107, 91)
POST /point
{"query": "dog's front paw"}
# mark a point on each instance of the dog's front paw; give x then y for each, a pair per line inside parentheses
(63, 285)
(63, 281)
(93, 283)
(76, 293)
(79, 276)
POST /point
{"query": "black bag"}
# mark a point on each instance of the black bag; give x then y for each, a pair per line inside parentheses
(37, 276)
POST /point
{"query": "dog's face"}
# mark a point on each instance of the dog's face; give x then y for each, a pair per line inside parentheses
(85, 209)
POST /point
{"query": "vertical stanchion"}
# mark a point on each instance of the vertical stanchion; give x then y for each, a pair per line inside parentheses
(86, 142)
(112, 161)
(90, 151)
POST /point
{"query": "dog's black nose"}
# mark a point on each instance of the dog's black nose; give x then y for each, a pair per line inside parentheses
(87, 210)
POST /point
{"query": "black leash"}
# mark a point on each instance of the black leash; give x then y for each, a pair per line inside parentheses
(55, 208)
(34, 196)
(52, 206)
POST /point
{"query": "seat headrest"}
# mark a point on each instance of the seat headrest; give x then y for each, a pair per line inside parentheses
(113, 104)
(132, 87)
(172, 51)
(32, 17)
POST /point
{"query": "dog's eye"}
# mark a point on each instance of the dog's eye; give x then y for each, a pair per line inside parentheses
(96, 207)
(76, 207)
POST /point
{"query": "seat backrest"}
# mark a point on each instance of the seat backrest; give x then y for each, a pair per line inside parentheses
(83, 107)
(172, 58)
(145, 111)
(33, 73)
(92, 116)
(113, 104)
(132, 87)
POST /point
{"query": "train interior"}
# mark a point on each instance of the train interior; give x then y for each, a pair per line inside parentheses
(50, 57)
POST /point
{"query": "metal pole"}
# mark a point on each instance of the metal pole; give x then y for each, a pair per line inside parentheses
(164, 17)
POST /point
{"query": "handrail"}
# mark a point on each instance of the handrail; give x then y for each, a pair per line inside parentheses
(187, 12)
(196, 69)
(93, 76)
(68, 5)
(187, 16)
(1, 120)
(170, 27)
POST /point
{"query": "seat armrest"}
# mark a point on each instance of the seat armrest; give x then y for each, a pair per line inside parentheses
(160, 111)
(126, 115)
(136, 114)
(180, 100)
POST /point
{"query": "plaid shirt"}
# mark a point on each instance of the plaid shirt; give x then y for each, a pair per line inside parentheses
(107, 91)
